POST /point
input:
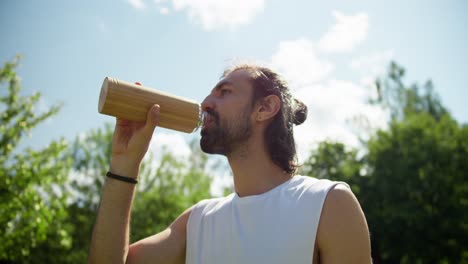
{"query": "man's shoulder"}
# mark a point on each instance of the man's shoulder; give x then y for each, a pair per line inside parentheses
(314, 185)
(212, 203)
(343, 228)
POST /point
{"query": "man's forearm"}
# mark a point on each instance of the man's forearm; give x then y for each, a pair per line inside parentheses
(110, 240)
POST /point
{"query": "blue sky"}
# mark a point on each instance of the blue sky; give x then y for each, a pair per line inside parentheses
(328, 50)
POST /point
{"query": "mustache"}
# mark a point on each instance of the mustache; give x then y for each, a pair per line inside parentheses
(213, 114)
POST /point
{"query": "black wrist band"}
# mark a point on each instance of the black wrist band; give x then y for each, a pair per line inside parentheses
(121, 178)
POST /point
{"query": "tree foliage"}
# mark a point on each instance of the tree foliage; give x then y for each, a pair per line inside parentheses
(412, 180)
(419, 177)
(403, 100)
(32, 203)
(337, 162)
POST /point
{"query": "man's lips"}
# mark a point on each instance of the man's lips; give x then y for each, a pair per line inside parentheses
(207, 122)
(208, 119)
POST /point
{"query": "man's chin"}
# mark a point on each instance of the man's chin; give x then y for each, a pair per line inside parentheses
(209, 147)
(205, 147)
(203, 131)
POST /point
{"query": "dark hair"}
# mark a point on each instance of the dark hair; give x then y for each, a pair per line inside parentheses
(279, 138)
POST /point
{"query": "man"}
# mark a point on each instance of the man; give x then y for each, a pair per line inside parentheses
(273, 216)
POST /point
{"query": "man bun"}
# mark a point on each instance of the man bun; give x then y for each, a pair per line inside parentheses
(299, 112)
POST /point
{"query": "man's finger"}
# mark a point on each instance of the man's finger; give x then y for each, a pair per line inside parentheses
(152, 119)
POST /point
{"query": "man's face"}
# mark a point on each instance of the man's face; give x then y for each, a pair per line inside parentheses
(227, 114)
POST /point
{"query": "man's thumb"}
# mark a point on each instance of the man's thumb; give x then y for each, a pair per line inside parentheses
(152, 118)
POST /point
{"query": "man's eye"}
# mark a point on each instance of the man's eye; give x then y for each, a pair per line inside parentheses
(225, 91)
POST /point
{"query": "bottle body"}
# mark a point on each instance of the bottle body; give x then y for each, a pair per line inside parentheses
(130, 101)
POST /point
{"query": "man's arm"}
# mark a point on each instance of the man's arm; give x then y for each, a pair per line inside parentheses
(343, 235)
(110, 240)
(109, 243)
(165, 247)
(111, 232)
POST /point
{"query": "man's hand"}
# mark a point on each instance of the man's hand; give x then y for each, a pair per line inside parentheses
(130, 142)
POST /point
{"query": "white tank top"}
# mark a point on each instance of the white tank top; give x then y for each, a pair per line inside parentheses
(278, 226)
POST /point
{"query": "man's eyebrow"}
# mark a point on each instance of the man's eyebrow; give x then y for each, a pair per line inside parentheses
(221, 84)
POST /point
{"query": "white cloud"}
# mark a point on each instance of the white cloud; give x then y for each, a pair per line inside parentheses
(346, 34)
(332, 106)
(373, 64)
(171, 142)
(210, 14)
(166, 142)
(328, 105)
(137, 4)
(335, 106)
(299, 63)
(164, 10)
(216, 14)
(337, 109)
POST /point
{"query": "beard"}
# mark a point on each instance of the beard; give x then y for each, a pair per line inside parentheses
(225, 136)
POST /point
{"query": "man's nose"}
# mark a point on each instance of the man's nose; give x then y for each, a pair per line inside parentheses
(207, 104)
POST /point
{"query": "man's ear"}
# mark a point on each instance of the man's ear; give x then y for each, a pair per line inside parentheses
(267, 107)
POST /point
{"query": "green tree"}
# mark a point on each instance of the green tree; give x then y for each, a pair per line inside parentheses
(32, 201)
(90, 153)
(412, 180)
(403, 100)
(419, 172)
(337, 162)
(417, 200)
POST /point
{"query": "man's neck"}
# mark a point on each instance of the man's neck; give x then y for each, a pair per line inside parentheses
(254, 172)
